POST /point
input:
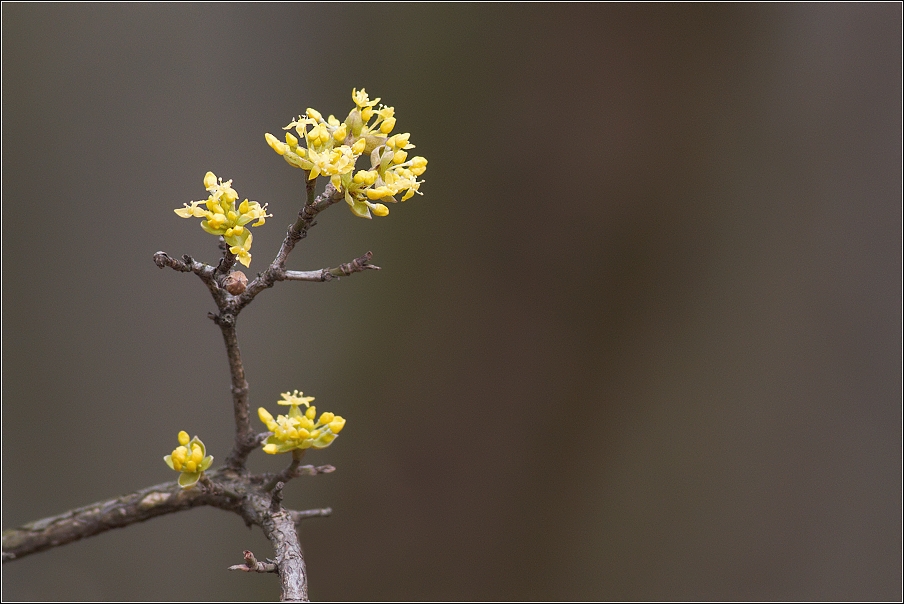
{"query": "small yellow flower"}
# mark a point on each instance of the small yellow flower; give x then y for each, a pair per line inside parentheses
(360, 99)
(299, 430)
(221, 217)
(190, 458)
(241, 249)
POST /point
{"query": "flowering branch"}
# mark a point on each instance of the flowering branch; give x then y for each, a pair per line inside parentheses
(331, 149)
(297, 231)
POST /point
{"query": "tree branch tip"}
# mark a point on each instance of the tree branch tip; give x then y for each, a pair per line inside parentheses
(252, 565)
(298, 516)
(313, 470)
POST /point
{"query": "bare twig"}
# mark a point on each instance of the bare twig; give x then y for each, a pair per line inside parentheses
(288, 473)
(252, 565)
(295, 470)
(298, 516)
(189, 265)
(313, 470)
(244, 436)
(328, 274)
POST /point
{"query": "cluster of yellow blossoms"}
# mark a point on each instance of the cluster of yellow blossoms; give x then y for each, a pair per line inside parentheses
(223, 218)
(190, 458)
(332, 148)
(298, 430)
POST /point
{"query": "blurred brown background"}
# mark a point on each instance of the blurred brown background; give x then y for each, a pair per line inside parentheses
(640, 338)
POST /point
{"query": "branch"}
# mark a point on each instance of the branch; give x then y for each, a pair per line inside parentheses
(245, 439)
(298, 516)
(294, 471)
(206, 272)
(279, 527)
(296, 232)
(257, 499)
(251, 565)
(102, 516)
(223, 488)
(328, 274)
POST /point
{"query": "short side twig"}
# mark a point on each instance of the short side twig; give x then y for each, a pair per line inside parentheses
(252, 565)
(187, 264)
(296, 232)
(299, 515)
(328, 274)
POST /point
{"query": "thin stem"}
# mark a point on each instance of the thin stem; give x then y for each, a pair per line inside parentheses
(245, 440)
(328, 274)
(288, 473)
(298, 516)
(296, 232)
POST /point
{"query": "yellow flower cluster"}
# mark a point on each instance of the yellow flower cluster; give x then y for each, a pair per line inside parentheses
(221, 217)
(298, 430)
(332, 148)
(190, 458)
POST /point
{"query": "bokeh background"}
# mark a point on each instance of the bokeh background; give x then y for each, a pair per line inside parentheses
(639, 339)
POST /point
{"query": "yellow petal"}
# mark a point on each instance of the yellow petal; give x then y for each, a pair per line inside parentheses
(275, 143)
(337, 424)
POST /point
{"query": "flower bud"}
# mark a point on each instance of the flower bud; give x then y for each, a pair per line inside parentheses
(387, 125)
(418, 165)
(378, 193)
(359, 146)
(337, 424)
(275, 144)
(235, 283)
